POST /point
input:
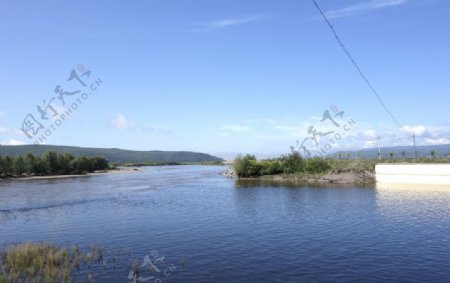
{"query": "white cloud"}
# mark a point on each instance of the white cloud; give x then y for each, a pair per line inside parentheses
(121, 122)
(235, 128)
(425, 135)
(298, 128)
(430, 141)
(278, 134)
(363, 7)
(441, 132)
(370, 134)
(293, 127)
(366, 135)
(10, 131)
(370, 144)
(12, 142)
(417, 130)
(202, 27)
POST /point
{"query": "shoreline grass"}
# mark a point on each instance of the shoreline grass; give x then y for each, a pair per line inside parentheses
(38, 262)
(295, 166)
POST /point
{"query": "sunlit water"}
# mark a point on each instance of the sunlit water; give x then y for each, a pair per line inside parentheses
(210, 229)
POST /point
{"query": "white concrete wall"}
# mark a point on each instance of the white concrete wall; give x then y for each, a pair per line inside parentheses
(433, 174)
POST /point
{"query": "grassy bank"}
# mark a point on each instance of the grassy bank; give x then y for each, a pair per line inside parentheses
(38, 262)
(47, 262)
(294, 165)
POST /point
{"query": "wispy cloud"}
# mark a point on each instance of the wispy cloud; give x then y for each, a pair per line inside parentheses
(158, 128)
(220, 24)
(120, 122)
(229, 130)
(235, 128)
(12, 142)
(364, 7)
(10, 131)
(430, 135)
(425, 135)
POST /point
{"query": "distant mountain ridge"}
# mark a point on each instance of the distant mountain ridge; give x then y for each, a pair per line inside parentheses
(112, 154)
(422, 151)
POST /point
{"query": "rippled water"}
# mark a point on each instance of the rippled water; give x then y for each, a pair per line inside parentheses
(211, 229)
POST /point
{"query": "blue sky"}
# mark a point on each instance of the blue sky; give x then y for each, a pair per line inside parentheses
(226, 76)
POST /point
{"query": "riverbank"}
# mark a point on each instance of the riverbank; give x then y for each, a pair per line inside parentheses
(340, 176)
(344, 176)
(102, 172)
(143, 164)
(294, 168)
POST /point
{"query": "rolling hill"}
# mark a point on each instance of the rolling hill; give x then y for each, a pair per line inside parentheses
(112, 154)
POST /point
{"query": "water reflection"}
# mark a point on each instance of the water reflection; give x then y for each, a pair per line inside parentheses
(240, 231)
(408, 202)
(413, 187)
(258, 183)
(301, 203)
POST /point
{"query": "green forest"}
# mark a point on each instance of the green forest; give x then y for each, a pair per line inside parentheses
(114, 155)
(50, 163)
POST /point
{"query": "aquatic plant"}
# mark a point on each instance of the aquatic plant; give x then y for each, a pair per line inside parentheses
(37, 262)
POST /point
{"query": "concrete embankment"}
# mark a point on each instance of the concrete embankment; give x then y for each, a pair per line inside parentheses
(419, 174)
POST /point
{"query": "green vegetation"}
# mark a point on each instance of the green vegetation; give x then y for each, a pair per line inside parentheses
(438, 151)
(50, 163)
(248, 166)
(294, 164)
(114, 155)
(38, 263)
(46, 262)
(433, 153)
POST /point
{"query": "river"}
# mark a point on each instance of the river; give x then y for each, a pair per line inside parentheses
(198, 226)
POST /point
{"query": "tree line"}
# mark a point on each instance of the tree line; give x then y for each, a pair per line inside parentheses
(50, 163)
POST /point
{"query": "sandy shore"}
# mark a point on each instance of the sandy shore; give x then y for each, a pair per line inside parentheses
(115, 171)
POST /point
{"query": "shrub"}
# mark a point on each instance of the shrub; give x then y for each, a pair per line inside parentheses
(270, 167)
(293, 163)
(246, 166)
(316, 166)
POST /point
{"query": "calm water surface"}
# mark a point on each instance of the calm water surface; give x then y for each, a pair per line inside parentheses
(210, 229)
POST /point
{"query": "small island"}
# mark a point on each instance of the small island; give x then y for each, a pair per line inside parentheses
(330, 170)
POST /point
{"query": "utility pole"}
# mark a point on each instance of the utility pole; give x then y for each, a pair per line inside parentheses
(379, 149)
(415, 150)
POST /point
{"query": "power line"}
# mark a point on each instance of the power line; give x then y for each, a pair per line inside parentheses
(361, 73)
